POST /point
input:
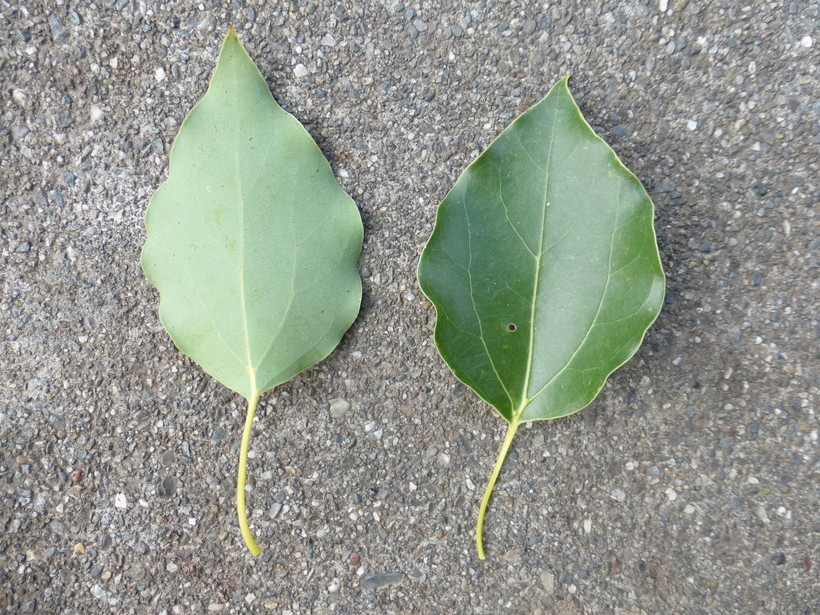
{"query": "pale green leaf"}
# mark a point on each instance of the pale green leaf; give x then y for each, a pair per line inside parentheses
(251, 243)
(543, 267)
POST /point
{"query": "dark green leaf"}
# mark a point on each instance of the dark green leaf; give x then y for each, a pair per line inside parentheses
(543, 266)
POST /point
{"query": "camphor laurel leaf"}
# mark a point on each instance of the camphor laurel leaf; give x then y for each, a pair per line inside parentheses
(543, 268)
(251, 243)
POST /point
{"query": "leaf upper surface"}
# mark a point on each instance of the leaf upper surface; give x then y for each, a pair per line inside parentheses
(251, 243)
(543, 265)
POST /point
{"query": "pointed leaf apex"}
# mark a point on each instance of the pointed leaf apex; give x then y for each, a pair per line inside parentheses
(230, 35)
(562, 83)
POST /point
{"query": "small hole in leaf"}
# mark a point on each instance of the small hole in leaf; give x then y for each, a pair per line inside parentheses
(511, 327)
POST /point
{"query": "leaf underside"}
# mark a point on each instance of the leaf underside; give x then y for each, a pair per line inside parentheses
(543, 265)
(251, 243)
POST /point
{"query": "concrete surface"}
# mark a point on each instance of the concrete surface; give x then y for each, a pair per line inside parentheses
(690, 486)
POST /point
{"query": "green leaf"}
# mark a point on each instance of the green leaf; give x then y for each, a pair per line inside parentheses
(251, 243)
(543, 268)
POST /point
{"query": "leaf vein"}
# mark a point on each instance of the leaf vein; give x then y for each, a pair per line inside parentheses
(507, 214)
(472, 300)
(534, 300)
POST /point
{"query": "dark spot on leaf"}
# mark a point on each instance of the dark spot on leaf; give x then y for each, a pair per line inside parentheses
(511, 327)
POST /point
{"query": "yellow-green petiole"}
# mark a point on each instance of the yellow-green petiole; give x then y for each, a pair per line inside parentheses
(243, 470)
(479, 529)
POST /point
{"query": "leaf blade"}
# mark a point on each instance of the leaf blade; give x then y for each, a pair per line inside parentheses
(544, 349)
(251, 243)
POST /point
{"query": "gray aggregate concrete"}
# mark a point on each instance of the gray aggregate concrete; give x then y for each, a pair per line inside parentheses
(689, 486)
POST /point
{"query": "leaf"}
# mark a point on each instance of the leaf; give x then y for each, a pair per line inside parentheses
(251, 243)
(543, 268)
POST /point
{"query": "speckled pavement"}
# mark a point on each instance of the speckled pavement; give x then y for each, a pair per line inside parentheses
(689, 486)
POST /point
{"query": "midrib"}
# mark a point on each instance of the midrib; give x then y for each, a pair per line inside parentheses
(524, 398)
(241, 199)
